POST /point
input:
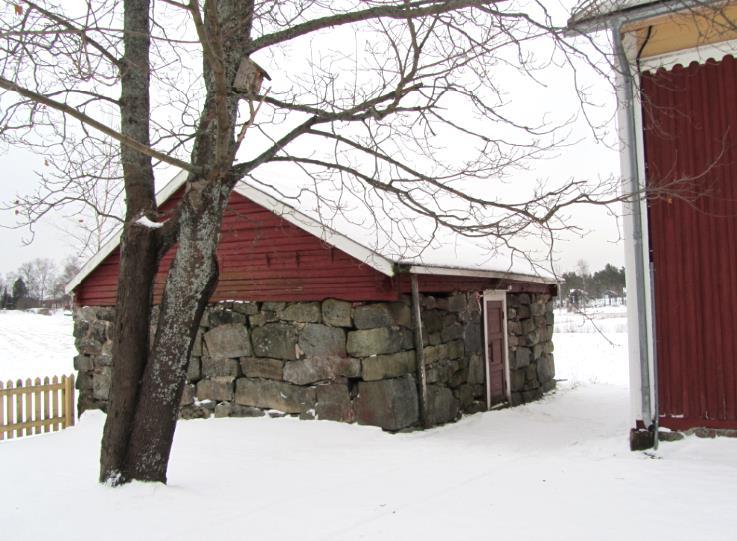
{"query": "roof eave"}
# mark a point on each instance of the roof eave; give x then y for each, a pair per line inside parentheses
(620, 16)
(478, 273)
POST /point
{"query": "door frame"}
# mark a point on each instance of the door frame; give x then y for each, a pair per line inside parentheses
(496, 295)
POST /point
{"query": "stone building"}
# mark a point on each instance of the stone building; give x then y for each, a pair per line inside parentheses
(306, 321)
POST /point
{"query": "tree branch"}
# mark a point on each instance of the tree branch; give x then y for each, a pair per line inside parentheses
(89, 121)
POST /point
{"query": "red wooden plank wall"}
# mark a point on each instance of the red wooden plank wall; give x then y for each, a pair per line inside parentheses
(690, 123)
(262, 257)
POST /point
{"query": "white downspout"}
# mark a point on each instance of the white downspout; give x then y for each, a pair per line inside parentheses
(634, 185)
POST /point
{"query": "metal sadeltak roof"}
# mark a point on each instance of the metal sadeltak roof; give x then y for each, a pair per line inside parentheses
(588, 11)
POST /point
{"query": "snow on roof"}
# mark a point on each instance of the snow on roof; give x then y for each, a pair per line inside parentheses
(381, 243)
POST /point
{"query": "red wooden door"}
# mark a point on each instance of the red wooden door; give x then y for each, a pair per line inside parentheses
(495, 351)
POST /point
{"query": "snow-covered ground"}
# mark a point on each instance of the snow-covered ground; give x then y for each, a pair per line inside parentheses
(556, 469)
(34, 345)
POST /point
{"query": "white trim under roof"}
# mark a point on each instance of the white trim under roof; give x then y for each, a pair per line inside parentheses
(478, 273)
(684, 57)
(370, 257)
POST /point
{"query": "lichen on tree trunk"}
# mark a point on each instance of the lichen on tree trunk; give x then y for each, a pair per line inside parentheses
(190, 283)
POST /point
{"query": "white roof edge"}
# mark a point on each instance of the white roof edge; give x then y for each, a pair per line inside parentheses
(315, 228)
(627, 12)
(165, 193)
(479, 273)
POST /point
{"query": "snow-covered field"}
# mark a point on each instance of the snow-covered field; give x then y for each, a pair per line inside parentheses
(556, 469)
(33, 345)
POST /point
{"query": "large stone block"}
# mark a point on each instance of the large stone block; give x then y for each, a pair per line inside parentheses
(457, 302)
(261, 367)
(365, 343)
(88, 346)
(401, 313)
(197, 345)
(304, 312)
(81, 326)
(276, 340)
(220, 367)
(217, 389)
(314, 369)
(194, 369)
(229, 409)
(274, 395)
(442, 406)
(432, 321)
(452, 332)
(372, 316)
(521, 358)
(188, 395)
(229, 340)
(388, 366)
(473, 338)
(518, 379)
(220, 315)
(456, 349)
(334, 403)
(476, 368)
(545, 368)
(537, 308)
(322, 341)
(391, 403)
(83, 363)
(246, 308)
(101, 384)
(336, 313)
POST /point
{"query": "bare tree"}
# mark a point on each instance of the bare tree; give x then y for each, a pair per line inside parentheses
(411, 111)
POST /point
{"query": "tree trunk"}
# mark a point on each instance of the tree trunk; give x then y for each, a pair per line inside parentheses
(139, 248)
(191, 280)
(138, 264)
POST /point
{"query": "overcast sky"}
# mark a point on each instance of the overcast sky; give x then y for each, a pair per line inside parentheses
(596, 244)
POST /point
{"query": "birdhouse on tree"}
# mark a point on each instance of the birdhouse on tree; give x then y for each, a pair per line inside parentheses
(249, 77)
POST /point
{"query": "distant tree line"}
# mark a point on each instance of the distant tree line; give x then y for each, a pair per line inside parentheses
(607, 281)
(37, 283)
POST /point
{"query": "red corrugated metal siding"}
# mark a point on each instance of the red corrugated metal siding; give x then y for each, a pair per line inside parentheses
(690, 124)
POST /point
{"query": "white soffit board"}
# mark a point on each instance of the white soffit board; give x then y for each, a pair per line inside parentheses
(478, 273)
(685, 57)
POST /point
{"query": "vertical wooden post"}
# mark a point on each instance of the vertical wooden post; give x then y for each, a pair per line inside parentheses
(47, 402)
(9, 408)
(419, 354)
(28, 399)
(2, 413)
(68, 400)
(37, 417)
(19, 408)
(55, 403)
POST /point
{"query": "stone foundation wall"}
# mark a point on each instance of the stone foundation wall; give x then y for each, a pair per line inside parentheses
(350, 362)
(530, 330)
